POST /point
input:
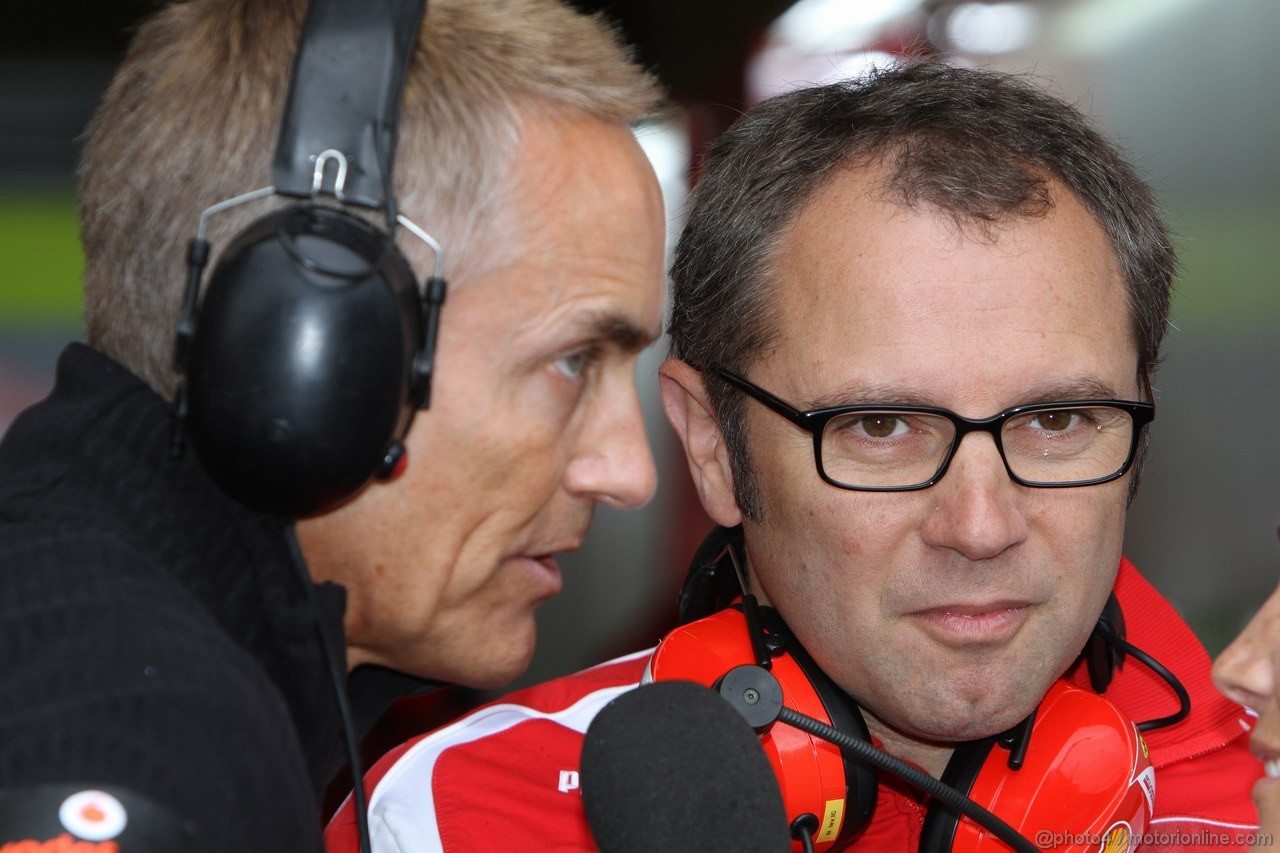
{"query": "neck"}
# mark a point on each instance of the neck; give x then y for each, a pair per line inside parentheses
(930, 756)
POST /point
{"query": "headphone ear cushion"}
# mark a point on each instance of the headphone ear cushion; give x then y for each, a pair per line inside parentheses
(299, 374)
(711, 584)
(815, 776)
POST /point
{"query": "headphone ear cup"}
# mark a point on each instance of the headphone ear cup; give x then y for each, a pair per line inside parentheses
(815, 777)
(1085, 772)
(300, 366)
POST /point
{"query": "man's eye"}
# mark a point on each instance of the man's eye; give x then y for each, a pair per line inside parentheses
(573, 364)
(1056, 421)
(881, 425)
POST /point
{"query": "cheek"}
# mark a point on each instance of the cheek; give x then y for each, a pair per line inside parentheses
(515, 444)
(824, 554)
(1082, 524)
(826, 542)
(534, 476)
(797, 500)
(781, 456)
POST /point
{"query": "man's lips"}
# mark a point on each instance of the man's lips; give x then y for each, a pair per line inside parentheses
(548, 556)
(543, 565)
(1270, 779)
(973, 623)
(545, 570)
(1262, 745)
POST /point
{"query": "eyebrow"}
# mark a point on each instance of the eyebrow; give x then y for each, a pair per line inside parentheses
(1076, 388)
(616, 329)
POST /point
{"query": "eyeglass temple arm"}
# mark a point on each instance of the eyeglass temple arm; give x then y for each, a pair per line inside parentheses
(795, 416)
(1145, 373)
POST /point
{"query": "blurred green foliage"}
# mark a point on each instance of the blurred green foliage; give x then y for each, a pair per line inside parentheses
(41, 263)
(1227, 282)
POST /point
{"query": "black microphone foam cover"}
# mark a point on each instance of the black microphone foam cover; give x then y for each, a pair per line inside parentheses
(671, 766)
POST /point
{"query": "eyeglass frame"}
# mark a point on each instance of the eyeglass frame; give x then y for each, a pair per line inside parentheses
(815, 422)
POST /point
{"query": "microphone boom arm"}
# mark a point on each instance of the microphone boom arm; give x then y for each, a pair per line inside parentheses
(756, 695)
(912, 776)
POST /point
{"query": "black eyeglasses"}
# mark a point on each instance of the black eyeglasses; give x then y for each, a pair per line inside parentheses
(901, 448)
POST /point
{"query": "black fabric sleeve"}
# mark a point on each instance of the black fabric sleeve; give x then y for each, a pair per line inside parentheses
(114, 678)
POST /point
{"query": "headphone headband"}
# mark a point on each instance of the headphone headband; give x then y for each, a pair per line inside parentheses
(314, 343)
(344, 99)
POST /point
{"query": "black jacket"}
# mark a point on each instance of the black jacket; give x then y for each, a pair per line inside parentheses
(155, 637)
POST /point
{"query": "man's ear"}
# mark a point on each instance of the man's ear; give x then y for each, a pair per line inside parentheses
(690, 412)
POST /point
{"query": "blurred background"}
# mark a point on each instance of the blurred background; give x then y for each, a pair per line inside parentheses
(1187, 87)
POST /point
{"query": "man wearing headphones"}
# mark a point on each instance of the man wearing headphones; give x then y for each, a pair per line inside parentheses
(170, 636)
(913, 328)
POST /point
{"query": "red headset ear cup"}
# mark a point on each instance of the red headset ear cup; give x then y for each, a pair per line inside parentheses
(810, 772)
(1086, 775)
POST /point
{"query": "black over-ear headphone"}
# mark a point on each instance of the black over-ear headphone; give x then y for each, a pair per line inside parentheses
(315, 343)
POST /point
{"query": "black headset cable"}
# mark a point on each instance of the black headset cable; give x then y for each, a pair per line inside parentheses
(949, 796)
(337, 679)
(1184, 699)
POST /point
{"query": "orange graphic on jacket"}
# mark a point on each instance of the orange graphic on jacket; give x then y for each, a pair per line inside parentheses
(64, 843)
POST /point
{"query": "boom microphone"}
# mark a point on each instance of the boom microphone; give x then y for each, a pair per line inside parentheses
(672, 766)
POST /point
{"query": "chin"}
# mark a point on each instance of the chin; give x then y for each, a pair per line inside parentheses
(495, 663)
(984, 725)
(495, 675)
(957, 730)
(954, 719)
(995, 701)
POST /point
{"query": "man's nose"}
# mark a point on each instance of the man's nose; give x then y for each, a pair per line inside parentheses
(976, 510)
(613, 464)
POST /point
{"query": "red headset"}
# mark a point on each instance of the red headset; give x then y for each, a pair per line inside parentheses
(1076, 772)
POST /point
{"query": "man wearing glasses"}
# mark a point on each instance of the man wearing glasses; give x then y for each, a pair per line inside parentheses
(913, 327)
